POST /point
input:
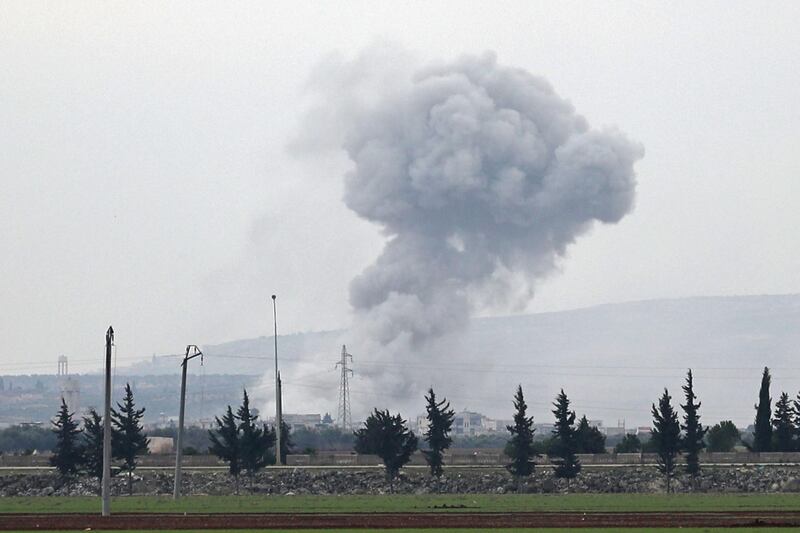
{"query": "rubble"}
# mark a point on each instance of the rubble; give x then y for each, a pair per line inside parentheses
(462, 481)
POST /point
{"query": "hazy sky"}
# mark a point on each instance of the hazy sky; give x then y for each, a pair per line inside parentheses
(146, 181)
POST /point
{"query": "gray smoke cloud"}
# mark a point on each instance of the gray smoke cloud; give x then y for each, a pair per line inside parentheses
(480, 176)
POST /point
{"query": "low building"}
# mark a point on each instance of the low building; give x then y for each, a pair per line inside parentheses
(160, 445)
(305, 421)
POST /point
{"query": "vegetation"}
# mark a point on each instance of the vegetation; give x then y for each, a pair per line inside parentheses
(26, 439)
(128, 440)
(693, 431)
(67, 453)
(520, 446)
(629, 444)
(387, 437)
(565, 446)
(254, 442)
(93, 444)
(325, 438)
(666, 436)
(783, 424)
(722, 437)
(287, 444)
(589, 438)
(497, 440)
(762, 439)
(440, 420)
(225, 444)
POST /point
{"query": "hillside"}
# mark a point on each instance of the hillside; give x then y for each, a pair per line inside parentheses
(613, 360)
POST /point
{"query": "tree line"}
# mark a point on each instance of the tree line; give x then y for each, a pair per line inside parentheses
(672, 435)
(247, 445)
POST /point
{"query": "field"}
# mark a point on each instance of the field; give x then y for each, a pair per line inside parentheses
(478, 503)
(417, 513)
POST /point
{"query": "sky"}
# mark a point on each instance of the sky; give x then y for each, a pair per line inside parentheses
(148, 181)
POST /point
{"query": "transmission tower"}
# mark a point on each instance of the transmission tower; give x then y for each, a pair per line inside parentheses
(344, 419)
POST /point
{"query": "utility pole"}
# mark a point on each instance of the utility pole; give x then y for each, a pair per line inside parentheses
(106, 487)
(179, 452)
(278, 417)
(344, 418)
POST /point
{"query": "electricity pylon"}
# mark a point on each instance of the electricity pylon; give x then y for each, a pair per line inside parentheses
(343, 418)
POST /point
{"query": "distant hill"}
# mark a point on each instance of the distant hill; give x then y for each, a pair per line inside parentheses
(613, 360)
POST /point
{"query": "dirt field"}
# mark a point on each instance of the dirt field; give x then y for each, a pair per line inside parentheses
(22, 522)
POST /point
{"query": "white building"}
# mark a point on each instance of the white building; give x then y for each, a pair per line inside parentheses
(465, 423)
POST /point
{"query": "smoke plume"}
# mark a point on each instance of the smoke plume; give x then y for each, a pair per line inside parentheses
(479, 175)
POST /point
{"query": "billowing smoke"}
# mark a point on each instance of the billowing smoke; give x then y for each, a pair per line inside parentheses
(480, 176)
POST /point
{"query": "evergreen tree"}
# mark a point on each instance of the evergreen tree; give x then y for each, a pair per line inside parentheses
(440, 420)
(629, 444)
(589, 438)
(287, 446)
(796, 405)
(225, 444)
(128, 438)
(67, 451)
(694, 432)
(666, 436)
(254, 441)
(93, 444)
(762, 440)
(722, 437)
(520, 446)
(783, 435)
(387, 437)
(565, 445)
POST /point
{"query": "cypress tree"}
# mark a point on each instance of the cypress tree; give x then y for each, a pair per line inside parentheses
(796, 405)
(254, 441)
(440, 420)
(520, 446)
(128, 438)
(590, 439)
(694, 432)
(387, 437)
(225, 444)
(93, 444)
(287, 446)
(783, 436)
(67, 452)
(666, 436)
(762, 440)
(565, 445)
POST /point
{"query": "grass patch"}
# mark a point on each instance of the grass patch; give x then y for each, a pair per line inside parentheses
(407, 503)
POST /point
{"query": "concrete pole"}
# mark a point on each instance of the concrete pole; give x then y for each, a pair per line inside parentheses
(106, 487)
(179, 451)
(278, 417)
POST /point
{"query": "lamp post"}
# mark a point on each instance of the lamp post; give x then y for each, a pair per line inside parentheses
(278, 417)
(106, 483)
